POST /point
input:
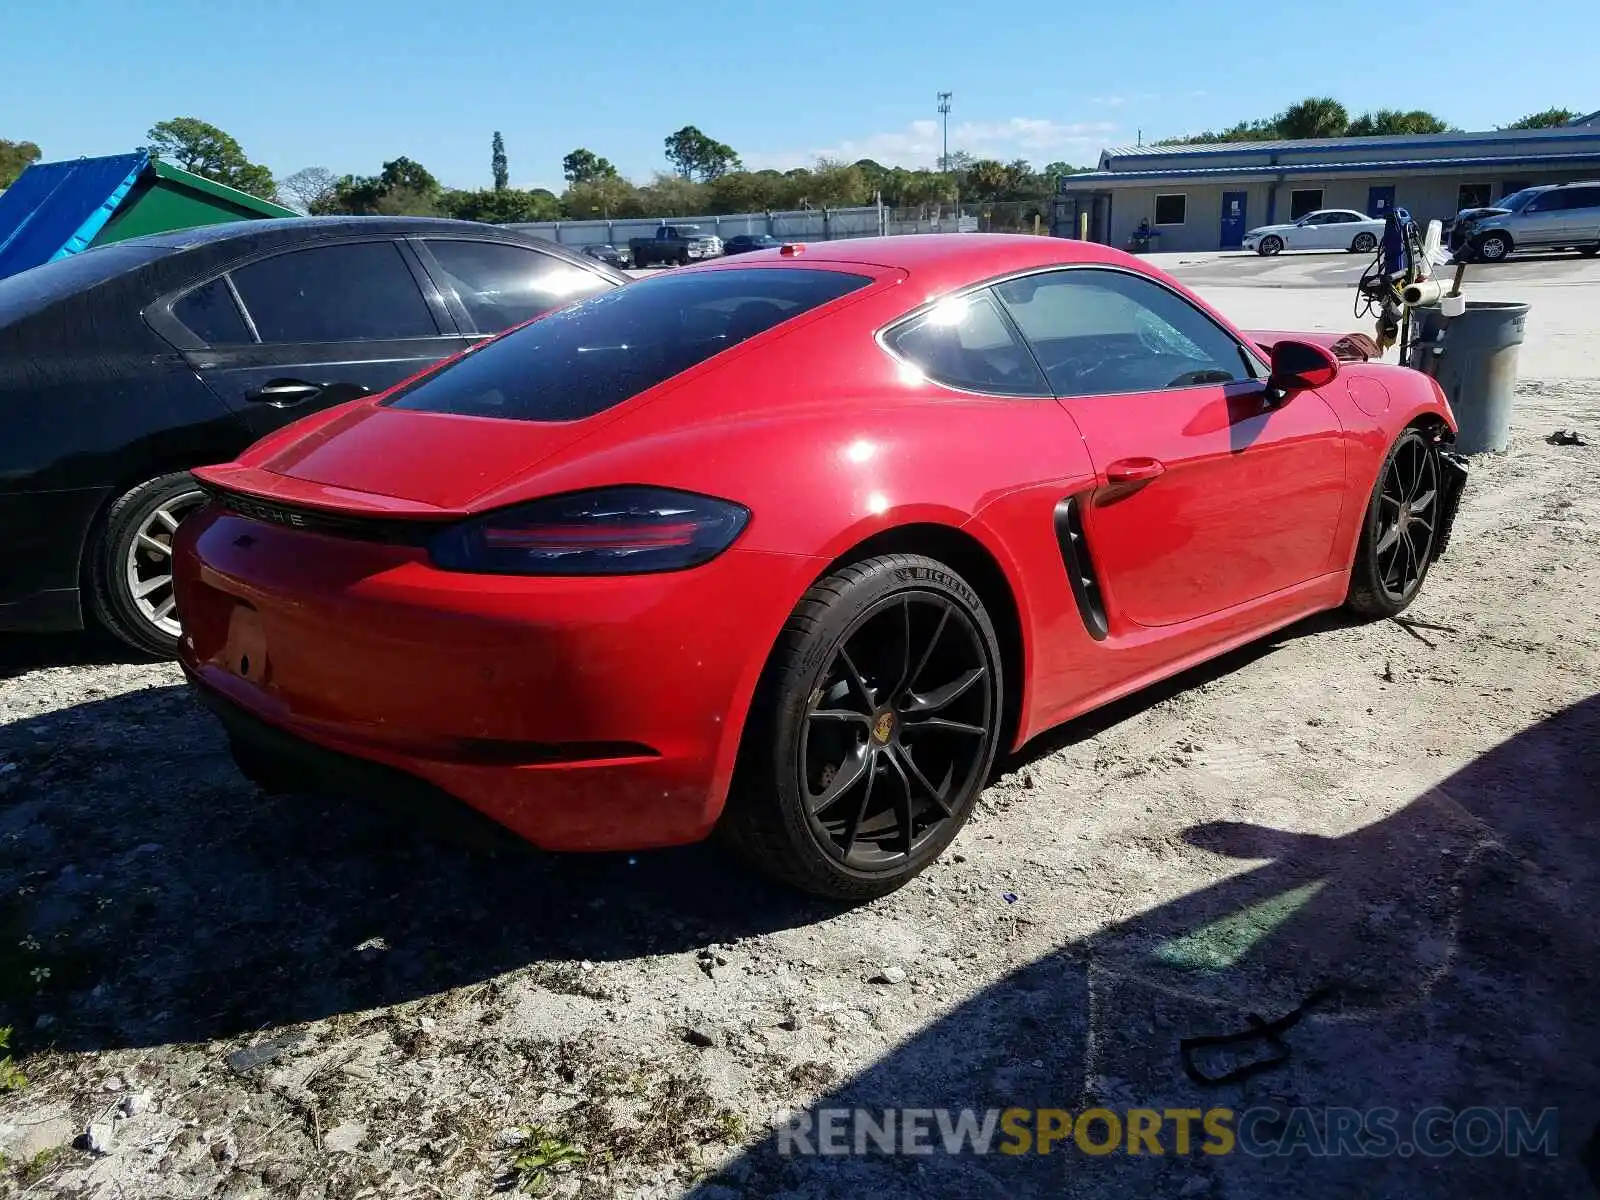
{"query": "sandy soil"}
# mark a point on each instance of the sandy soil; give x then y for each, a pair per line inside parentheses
(293, 998)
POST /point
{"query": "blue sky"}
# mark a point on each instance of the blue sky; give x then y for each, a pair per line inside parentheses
(346, 84)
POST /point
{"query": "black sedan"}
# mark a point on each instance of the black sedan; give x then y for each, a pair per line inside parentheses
(613, 256)
(126, 365)
(745, 242)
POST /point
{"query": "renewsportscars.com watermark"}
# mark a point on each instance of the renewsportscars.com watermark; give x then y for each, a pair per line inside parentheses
(1261, 1132)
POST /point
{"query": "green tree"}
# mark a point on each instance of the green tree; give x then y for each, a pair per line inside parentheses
(201, 147)
(1550, 118)
(404, 188)
(497, 163)
(985, 180)
(15, 158)
(1392, 121)
(836, 184)
(501, 206)
(921, 188)
(310, 188)
(674, 196)
(1313, 117)
(697, 157)
(585, 166)
(748, 191)
(403, 174)
(605, 196)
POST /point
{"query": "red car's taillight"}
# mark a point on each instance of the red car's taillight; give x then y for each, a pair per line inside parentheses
(611, 531)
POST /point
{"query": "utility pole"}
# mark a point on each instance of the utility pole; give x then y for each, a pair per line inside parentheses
(944, 111)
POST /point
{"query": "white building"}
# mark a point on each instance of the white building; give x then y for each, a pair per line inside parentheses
(1205, 197)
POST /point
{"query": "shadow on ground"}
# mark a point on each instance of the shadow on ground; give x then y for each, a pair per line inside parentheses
(166, 900)
(169, 901)
(1460, 939)
(21, 653)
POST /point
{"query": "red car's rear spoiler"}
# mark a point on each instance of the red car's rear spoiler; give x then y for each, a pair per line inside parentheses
(1348, 347)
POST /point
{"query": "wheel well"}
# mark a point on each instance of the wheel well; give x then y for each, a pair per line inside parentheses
(1433, 424)
(150, 468)
(973, 562)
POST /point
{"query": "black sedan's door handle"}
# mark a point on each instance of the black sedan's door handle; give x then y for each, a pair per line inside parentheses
(283, 392)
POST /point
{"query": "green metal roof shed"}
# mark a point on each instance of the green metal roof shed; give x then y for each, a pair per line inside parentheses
(57, 209)
(168, 197)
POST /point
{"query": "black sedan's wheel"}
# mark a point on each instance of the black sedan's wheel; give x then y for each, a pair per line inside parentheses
(1364, 243)
(1493, 247)
(1270, 245)
(873, 731)
(130, 566)
(1401, 529)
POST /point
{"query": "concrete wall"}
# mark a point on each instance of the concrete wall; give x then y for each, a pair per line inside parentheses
(807, 225)
(1427, 197)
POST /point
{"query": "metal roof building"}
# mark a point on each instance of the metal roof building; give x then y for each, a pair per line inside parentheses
(56, 209)
(1204, 197)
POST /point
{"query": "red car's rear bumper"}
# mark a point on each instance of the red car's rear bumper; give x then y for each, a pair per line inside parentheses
(583, 714)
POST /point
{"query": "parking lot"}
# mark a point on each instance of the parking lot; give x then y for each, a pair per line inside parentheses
(315, 1002)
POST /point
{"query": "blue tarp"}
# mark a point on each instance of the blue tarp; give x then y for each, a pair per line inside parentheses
(56, 209)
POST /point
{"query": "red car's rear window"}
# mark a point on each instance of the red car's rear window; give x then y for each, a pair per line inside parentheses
(595, 354)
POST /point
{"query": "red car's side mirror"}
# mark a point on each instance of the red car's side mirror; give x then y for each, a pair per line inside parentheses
(1300, 367)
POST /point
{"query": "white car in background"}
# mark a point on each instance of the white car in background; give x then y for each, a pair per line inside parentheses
(1325, 229)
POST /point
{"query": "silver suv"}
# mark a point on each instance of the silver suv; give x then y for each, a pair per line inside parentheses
(1557, 216)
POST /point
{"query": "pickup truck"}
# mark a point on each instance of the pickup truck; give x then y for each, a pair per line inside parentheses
(674, 244)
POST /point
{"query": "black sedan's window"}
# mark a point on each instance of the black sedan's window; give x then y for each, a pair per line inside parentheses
(356, 291)
(503, 285)
(597, 353)
(211, 315)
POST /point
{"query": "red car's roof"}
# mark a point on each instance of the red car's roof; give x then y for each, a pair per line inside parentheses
(941, 259)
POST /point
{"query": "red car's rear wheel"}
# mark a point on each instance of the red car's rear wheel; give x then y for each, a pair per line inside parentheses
(874, 730)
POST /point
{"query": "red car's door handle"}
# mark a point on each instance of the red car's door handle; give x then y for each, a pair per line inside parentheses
(1134, 470)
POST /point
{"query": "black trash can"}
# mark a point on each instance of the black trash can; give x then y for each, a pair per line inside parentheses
(1474, 358)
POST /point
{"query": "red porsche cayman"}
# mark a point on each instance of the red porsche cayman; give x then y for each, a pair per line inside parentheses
(791, 546)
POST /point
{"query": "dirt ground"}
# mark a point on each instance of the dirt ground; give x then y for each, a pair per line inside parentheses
(215, 993)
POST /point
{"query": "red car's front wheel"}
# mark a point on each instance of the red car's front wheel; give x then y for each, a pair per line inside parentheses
(874, 729)
(1401, 529)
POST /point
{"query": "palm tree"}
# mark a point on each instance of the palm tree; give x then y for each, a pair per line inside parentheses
(1313, 117)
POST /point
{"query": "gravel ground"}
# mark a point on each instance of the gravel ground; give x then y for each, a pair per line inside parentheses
(217, 993)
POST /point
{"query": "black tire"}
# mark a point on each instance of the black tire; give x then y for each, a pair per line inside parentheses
(774, 817)
(111, 592)
(1493, 247)
(1589, 251)
(1386, 578)
(1364, 243)
(1270, 245)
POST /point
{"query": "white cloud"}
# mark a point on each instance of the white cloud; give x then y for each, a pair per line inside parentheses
(1119, 101)
(920, 143)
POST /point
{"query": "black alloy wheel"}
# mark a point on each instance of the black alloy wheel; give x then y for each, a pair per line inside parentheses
(872, 732)
(1402, 523)
(896, 730)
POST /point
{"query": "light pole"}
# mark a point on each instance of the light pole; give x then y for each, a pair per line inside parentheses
(944, 111)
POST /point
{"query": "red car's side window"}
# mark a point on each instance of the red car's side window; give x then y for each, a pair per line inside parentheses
(1098, 332)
